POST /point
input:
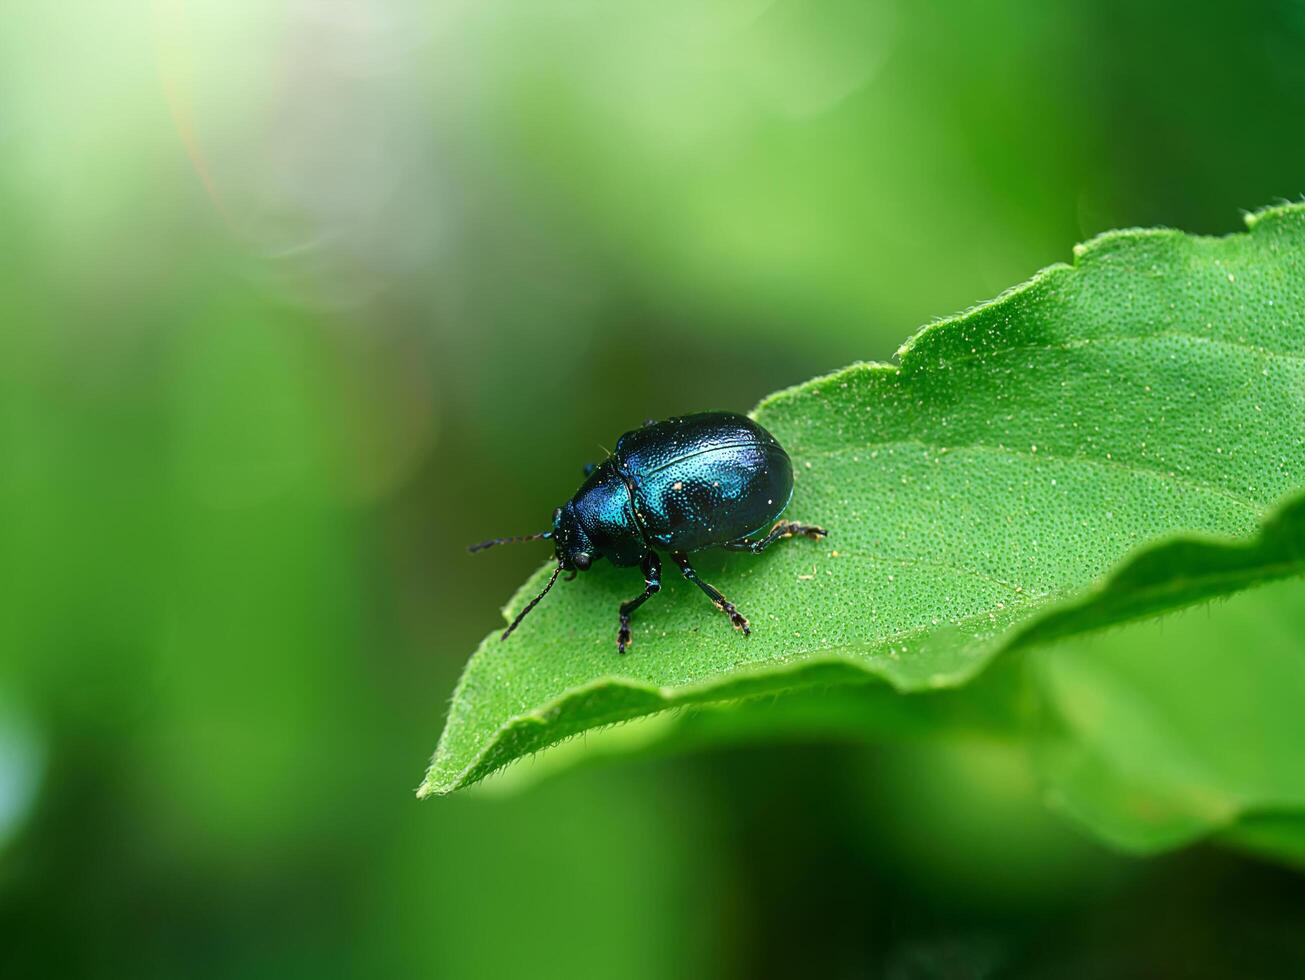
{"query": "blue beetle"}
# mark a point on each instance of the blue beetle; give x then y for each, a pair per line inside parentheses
(681, 485)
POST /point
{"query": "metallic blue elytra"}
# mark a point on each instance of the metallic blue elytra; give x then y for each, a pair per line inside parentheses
(698, 481)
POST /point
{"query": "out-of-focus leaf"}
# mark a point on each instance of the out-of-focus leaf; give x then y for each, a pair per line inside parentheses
(1170, 730)
(1278, 834)
(1140, 411)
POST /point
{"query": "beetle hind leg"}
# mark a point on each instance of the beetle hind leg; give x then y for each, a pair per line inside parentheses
(652, 584)
(724, 605)
(782, 529)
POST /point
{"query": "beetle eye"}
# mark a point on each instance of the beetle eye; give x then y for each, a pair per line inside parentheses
(582, 561)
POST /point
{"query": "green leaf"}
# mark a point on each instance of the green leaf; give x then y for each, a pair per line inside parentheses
(1166, 731)
(1141, 411)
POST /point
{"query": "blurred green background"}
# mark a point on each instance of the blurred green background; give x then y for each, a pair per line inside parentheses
(301, 297)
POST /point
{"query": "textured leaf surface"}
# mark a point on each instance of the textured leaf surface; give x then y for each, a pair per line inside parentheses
(1143, 409)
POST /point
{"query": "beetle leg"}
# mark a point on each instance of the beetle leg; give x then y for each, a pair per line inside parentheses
(652, 580)
(723, 604)
(783, 529)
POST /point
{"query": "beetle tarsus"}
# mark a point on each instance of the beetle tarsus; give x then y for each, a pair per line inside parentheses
(737, 619)
(782, 529)
(652, 584)
(811, 531)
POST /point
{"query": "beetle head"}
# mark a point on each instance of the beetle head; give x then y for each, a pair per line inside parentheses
(574, 549)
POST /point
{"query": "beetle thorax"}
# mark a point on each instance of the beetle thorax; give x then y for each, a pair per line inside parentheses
(600, 519)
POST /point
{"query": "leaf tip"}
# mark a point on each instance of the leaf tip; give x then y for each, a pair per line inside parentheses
(428, 788)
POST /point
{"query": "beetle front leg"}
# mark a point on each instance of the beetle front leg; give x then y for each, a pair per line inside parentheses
(723, 604)
(783, 529)
(652, 580)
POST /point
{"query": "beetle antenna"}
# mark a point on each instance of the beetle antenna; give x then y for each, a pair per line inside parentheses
(532, 603)
(541, 536)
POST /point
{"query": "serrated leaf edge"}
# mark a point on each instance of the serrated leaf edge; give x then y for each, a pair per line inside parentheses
(1051, 623)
